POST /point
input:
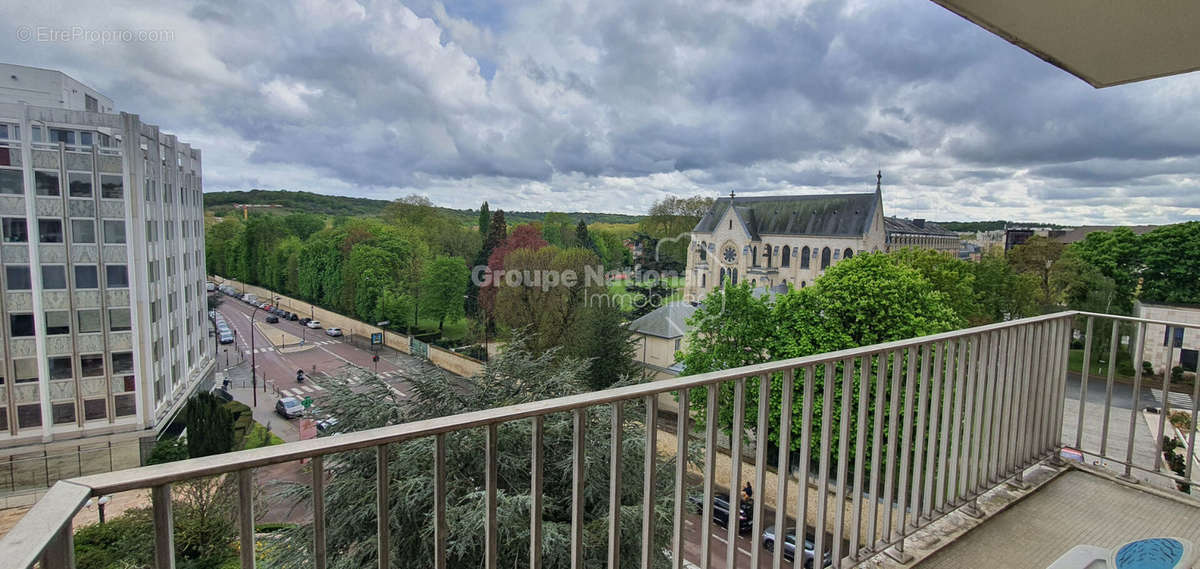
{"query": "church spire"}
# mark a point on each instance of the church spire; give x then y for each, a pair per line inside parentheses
(879, 181)
(731, 196)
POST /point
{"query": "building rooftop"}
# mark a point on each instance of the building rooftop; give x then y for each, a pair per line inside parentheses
(847, 215)
(916, 227)
(669, 321)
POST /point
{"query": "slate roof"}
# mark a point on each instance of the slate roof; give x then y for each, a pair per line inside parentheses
(668, 321)
(1081, 233)
(910, 226)
(846, 215)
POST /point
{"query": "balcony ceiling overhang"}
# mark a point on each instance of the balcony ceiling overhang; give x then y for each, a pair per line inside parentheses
(1104, 42)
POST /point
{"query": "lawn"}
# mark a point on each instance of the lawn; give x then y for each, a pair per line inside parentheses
(1099, 367)
(625, 299)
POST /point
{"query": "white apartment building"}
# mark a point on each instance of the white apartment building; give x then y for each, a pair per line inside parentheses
(103, 300)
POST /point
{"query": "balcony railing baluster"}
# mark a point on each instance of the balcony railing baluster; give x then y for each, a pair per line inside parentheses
(578, 461)
(439, 497)
(839, 502)
(830, 370)
(318, 502)
(164, 526)
(806, 446)
(959, 364)
(1134, 417)
(991, 362)
(762, 438)
(860, 449)
(736, 434)
(1164, 410)
(1083, 380)
(1191, 442)
(614, 484)
(999, 469)
(682, 432)
(1063, 346)
(918, 466)
(937, 433)
(246, 517)
(710, 472)
(879, 374)
(383, 531)
(889, 480)
(782, 463)
(1108, 387)
(649, 480)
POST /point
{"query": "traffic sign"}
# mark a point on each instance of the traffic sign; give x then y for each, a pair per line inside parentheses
(306, 402)
(377, 338)
(384, 323)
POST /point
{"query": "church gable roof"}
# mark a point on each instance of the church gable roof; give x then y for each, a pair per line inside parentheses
(847, 215)
(916, 227)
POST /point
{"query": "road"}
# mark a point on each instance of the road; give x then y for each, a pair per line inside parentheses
(278, 370)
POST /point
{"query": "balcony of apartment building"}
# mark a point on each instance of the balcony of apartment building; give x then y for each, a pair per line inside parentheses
(974, 448)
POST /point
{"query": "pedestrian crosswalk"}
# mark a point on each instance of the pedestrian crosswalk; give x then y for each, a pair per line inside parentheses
(302, 390)
(1176, 399)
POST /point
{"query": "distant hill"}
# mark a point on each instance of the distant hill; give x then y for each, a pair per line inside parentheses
(973, 226)
(221, 203)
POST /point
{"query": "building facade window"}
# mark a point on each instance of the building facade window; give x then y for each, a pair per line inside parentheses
(114, 232)
(15, 230)
(91, 365)
(29, 416)
(79, 185)
(848, 253)
(25, 370)
(118, 320)
(58, 322)
(60, 367)
(95, 409)
(54, 277)
(12, 182)
(16, 277)
(50, 231)
(87, 277)
(64, 413)
(88, 321)
(804, 256)
(112, 187)
(786, 259)
(21, 325)
(825, 255)
(116, 276)
(122, 363)
(46, 183)
(83, 231)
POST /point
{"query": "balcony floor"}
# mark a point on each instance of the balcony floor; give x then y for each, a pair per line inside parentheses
(1076, 508)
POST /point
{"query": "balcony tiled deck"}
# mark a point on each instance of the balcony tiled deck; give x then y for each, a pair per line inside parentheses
(1076, 508)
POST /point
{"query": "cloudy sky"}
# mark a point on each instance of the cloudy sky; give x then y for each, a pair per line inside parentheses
(610, 105)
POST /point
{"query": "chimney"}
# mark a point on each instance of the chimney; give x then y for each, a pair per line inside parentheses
(919, 223)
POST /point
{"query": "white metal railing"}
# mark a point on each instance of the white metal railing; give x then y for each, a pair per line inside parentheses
(964, 412)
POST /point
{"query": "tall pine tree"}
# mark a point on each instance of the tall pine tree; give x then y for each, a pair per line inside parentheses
(497, 232)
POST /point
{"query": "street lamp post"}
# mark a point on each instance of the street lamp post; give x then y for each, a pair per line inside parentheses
(253, 359)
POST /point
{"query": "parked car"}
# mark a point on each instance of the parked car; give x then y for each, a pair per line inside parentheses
(225, 337)
(293, 316)
(333, 332)
(789, 547)
(289, 408)
(720, 508)
(327, 424)
(285, 315)
(304, 321)
(272, 319)
(210, 287)
(314, 324)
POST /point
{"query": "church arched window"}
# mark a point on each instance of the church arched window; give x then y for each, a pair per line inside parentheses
(848, 253)
(825, 254)
(786, 259)
(804, 254)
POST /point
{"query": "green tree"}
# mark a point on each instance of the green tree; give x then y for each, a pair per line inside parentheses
(1115, 254)
(304, 224)
(950, 276)
(602, 339)
(1171, 257)
(1000, 293)
(350, 528)
(1036, 257)
(217, 240)
(552, 294)
(445, 284)
(485, 218)
(209, 426)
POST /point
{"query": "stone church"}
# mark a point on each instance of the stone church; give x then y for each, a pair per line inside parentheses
(778, 240)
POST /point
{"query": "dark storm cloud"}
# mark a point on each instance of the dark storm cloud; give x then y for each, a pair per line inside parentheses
(611, 105)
